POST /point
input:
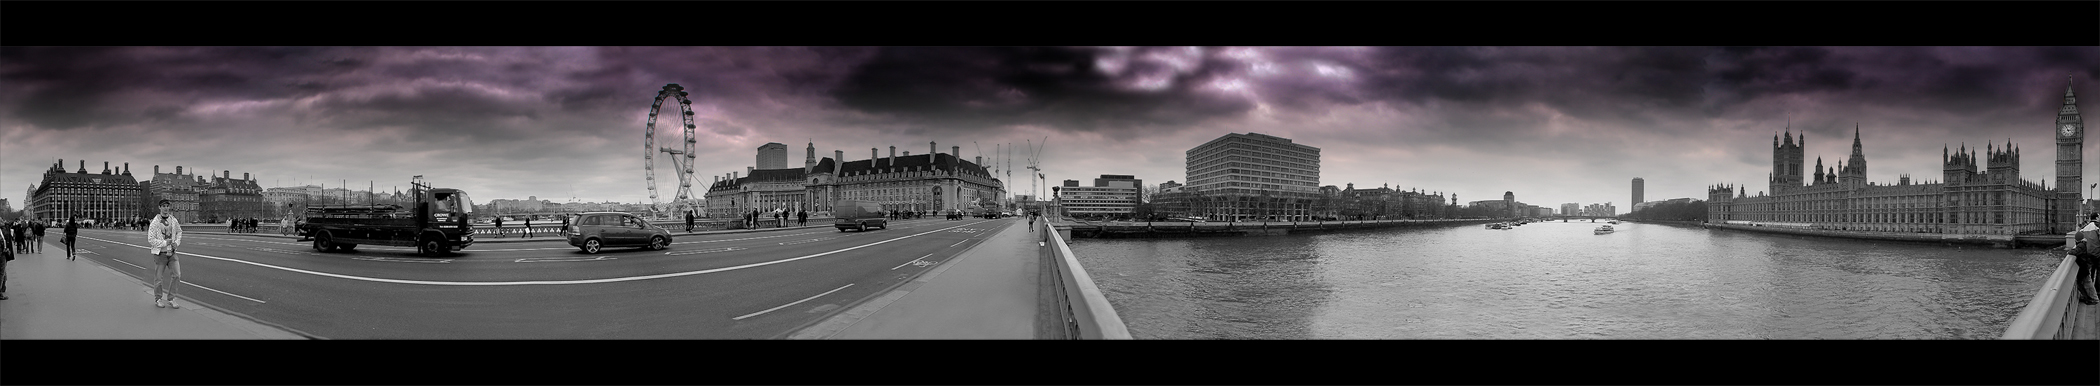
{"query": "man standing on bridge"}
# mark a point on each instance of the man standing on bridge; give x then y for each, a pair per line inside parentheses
(499, 226)
(802, 218)
(2085, 255)
(163, 236)
(36, 236)
(689, 221)
(72, 228)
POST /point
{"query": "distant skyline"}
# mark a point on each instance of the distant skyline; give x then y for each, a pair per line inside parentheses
(1553, 124)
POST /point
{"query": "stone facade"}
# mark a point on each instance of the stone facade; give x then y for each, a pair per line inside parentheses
(112, 195)
(1993, 201)
(926, 183)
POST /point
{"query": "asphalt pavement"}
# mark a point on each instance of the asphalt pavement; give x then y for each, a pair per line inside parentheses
(709, 285)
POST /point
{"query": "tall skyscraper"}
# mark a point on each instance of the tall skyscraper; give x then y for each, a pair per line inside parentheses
(1242, 177)
(1637, 190)
(773, 155)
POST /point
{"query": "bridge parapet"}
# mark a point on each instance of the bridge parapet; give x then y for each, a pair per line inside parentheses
(2054, 313)
(1083, 309)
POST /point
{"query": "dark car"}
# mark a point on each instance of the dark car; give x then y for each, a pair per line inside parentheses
(858, 215)
(596, 231)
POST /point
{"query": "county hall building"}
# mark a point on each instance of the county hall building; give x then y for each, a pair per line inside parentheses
(1993, 200)
(926, 183)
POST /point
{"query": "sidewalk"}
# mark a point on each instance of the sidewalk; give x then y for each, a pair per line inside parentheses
(988, 292)
(50, 297)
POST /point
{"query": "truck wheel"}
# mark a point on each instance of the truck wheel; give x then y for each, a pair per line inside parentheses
(432, 248)
(591, 246)
(321, 243)
(659, 243)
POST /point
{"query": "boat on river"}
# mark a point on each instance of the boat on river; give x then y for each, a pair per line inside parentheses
(1604, 229)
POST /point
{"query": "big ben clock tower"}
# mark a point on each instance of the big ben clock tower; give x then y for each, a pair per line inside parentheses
(2070, 162)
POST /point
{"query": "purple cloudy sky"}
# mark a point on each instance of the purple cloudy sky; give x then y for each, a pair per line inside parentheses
(1553, 124)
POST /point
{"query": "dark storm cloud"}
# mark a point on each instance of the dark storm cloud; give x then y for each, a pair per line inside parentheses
(1059, 87)
(77, 87)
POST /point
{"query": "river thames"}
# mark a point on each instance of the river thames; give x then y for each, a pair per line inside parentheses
(1554, 280)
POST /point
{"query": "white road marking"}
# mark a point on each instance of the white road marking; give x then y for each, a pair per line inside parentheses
(393, 260)
(700, 251)
(912, 261)
(224, 292)
(127, 263)
(958, 243)
(541, 282)
(790, 304)
(563, 259)
(805, 241)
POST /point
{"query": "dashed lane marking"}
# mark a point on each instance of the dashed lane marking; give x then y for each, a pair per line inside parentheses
(564, 259)
(700, 251)
(790, 304)
(397, 260)
(805, 241)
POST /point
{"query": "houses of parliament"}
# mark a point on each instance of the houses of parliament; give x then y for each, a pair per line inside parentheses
(1991, 201)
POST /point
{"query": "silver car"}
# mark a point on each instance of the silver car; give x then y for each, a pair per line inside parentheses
(595, 231)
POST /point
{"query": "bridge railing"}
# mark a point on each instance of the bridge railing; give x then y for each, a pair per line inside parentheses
(2044, 316)
(1080, 304)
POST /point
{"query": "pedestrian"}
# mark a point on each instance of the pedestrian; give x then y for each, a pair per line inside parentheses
(2088, 257)
(688, 222)
(36, 237)
(499, 226)
(564, 222)
(163, 236)
(72, 228)
(528, 227)
(6, 255)
(20, 231)
(802, 218)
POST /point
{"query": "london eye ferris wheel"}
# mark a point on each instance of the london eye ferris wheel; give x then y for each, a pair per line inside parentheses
(680, 159)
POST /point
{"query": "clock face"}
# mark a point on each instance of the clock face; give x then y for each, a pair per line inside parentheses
(2068, 130)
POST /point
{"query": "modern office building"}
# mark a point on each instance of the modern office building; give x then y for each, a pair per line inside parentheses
(1637, 191)
(1110, 196)
(772, 156)
(1253, 176)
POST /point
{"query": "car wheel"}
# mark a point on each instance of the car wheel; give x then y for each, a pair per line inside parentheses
(591, 246)
(659, 243)
(863, 227)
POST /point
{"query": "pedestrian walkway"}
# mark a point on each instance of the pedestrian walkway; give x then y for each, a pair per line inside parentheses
(990, 291)
(50, 297)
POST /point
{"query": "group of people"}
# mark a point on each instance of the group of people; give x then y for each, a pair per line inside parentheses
(27, 236)
(243, 225)
(752, 220)
(528, 226)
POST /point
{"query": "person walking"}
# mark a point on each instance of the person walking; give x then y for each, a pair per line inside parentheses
(499, 226)
(72, 228)
(36, 236)
(163, 236)
(528, 227)
(802, 218)
(21, 234)
(688, 222)
(7, 255)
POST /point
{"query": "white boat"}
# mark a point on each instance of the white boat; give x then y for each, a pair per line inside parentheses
(1603, 229)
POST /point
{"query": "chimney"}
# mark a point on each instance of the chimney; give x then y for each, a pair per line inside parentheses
(127, 168)
(955, 151)
(229, 174)
(932, 148)
(907, 153)
(83, 167)
(156, 169)
(178, 170)
(838, 157)
(873, 153)
(246, 177)
(732, 176)
(893, 152)
(980, 160)
(750, 169)
(105, 167)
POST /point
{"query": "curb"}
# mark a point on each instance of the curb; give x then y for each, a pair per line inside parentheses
(216, 313)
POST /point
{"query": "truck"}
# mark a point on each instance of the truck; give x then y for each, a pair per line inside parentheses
(858, 215)
(435, 222)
